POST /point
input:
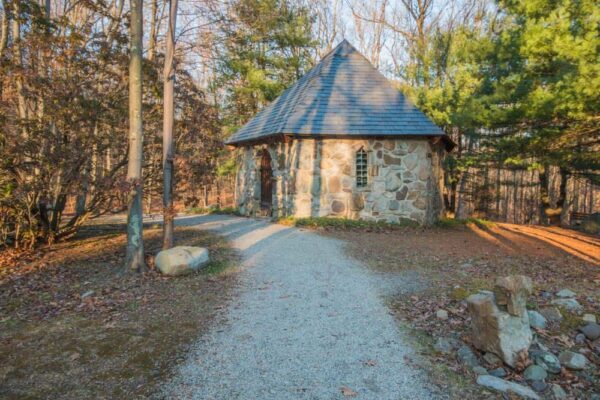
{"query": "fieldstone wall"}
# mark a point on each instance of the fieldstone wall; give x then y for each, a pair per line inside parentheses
(317, 177)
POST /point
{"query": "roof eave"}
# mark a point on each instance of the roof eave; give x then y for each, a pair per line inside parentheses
(449, 144)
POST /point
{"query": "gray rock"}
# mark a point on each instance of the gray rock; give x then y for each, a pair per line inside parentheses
(580, 338)
(545, 295)
(558, 392)
(467, 357)
(479, 370)
(552, 314)
(572, 360)
(537, 320)
(441, 314)
(547, 361)
(499, 372)
(591, 331)
(535, 373)
(503, 386)
(589, 318)
(569, 303)
(181, 260)
(512, 292)
(539, 386)
(566, 293)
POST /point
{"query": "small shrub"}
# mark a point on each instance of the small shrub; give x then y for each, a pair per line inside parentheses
(452, 222)
(196, 211)
(459, 294)
(344, 223)
(590, 226)
(212, 210)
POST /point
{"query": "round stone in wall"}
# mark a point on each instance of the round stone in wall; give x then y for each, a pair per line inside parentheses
(338, 207)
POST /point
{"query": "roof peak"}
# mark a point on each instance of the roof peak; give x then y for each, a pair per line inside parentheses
(343, 48)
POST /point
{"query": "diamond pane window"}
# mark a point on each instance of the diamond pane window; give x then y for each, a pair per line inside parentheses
(361, 168)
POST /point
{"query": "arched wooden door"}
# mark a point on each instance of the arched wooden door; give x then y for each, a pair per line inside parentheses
(266, 181)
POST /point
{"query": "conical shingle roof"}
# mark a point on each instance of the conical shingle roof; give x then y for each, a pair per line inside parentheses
(343, 95)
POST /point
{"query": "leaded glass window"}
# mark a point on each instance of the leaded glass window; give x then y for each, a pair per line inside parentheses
(361, 168)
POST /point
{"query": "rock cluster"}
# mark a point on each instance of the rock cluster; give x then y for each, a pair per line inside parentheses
(500, 326)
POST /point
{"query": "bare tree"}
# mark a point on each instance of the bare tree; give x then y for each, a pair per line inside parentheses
(135, 244)
(168, 128)
(4, 26)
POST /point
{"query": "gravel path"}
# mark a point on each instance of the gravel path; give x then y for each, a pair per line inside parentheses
(306, 322)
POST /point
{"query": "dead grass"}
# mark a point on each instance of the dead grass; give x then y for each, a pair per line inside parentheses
(123, 340)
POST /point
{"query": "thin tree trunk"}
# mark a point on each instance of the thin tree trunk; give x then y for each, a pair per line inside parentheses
(497, 212)
(462, 209)
(168, 128)
(134, 261)
(4, 27)
(153, 30)
(544, 198)
(563, 200)
(16, 38)
(82, 196)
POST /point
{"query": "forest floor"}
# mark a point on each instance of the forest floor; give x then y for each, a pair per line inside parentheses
(454, 262)
(71, 326)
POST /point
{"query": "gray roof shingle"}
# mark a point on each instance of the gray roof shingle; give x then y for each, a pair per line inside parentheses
(343, 95)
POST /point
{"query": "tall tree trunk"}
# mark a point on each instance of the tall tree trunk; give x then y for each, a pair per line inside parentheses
(498, 187)
(153, 30)
(463, 201)
(18, 56)
(4, 27)
(134, 261)
(168, 128)
(544, 200)
(563, 200)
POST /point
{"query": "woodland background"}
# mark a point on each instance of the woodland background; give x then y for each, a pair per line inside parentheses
(515, 83)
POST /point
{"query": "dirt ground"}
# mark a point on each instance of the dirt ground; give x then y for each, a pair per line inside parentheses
(455, 262)
(71, 326)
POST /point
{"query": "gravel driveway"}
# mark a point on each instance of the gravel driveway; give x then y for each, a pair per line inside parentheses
(307, 323)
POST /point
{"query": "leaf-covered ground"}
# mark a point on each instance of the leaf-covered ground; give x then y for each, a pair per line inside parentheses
(71, 326)
(457, 261)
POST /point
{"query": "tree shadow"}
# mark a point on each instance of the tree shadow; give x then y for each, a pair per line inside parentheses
(515, 238)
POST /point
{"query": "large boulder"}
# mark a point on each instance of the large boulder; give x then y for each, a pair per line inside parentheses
(499, 321)
(181, 260)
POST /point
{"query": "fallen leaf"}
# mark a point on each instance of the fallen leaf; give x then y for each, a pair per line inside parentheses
(346, 391)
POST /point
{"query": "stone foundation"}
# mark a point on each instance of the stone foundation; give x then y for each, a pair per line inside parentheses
(317, 177)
